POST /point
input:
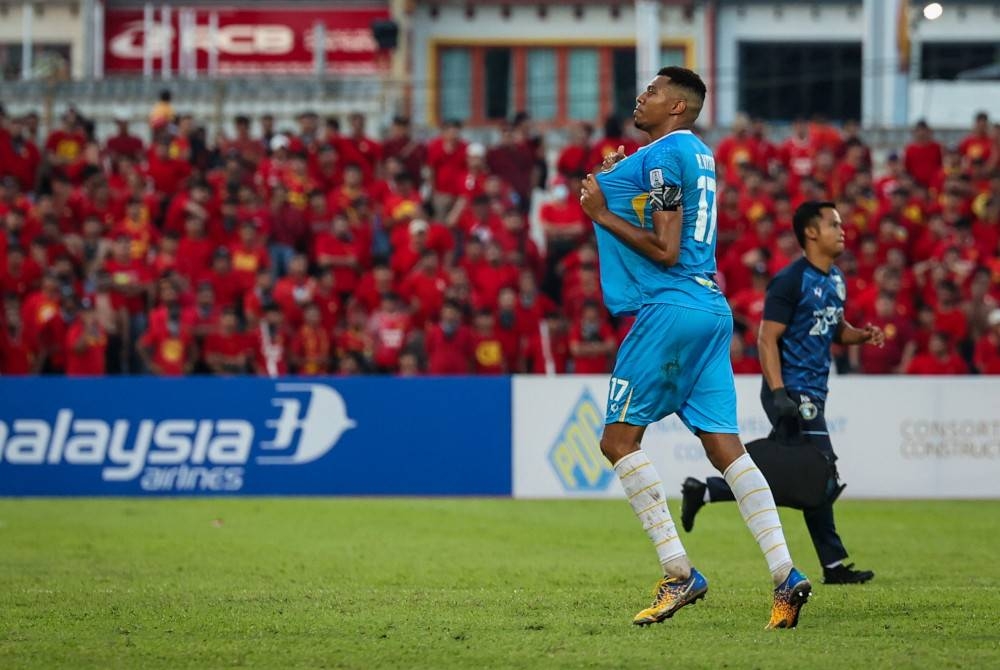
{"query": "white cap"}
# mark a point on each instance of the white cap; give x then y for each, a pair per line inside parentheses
(120, 114)
(418, 226)
(279, 142)
(994, 317)
(476, 150)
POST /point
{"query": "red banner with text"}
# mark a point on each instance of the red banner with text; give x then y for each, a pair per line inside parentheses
(247, 41)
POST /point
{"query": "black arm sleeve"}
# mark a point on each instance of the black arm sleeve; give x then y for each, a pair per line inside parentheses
(783, 294)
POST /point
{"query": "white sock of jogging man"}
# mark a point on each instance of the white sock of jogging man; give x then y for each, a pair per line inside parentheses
(753, 495)
(644, 490)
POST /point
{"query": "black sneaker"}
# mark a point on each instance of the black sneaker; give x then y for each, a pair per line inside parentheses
(692, 500)
(846, 574)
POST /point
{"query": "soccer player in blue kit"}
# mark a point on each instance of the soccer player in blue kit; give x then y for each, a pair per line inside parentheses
(655, 222)
(803, 316)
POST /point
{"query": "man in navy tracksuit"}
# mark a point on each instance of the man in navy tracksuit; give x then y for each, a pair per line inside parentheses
(803, 316)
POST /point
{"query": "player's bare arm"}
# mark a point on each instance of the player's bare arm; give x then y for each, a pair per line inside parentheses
(848, 334)
(770, 365)
(661, 245)
(770, 358)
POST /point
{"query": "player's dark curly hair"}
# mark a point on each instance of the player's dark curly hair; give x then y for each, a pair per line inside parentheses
(686, 79)
(807, 214)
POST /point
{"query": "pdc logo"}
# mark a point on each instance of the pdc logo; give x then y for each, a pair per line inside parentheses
(576, 455)
(185, 454)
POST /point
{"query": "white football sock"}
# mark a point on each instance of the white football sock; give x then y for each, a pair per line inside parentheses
(753, 495)
(645, 493)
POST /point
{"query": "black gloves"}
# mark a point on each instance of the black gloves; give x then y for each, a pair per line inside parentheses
(784, 404)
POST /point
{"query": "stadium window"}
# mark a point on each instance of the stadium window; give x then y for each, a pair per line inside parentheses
(48, 61)
(783, 81)
(625, 90)
(456, 84)
(542, 88)
(584, 88)
(553, 83)
(672, 56)
(497, 82)
(947, 60)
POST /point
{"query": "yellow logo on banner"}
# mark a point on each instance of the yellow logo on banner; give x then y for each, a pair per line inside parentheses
(576, 455)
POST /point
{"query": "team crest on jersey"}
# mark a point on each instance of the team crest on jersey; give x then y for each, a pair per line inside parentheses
(840, 286)
(807, 409)
(656, 177)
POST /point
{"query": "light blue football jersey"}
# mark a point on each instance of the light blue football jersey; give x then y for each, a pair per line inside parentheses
(629, 280)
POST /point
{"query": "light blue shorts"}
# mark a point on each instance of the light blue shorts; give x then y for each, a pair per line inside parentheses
(675, 360)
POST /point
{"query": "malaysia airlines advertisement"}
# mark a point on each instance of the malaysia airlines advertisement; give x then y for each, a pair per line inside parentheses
(253, 436)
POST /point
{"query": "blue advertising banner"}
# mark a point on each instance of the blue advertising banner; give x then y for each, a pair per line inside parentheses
(217, 436)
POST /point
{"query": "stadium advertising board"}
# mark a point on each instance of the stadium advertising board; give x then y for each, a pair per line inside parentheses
(897, 437)
(204, 436)
(249, 40)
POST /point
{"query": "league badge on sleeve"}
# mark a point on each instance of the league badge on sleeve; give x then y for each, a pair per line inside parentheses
(840, 286)
(656, 178)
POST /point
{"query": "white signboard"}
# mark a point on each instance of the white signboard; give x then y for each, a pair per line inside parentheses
(896, 437)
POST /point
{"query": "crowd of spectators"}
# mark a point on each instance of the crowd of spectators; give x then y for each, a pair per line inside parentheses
(321, 250)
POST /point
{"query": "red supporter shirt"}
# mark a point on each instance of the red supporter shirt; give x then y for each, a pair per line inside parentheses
(312, 347)
(953, 322)
(328, 248)
(734, 151)
(591, 363)
(169, 351)
(884, 360)
(66, 145)
(448, 163)
(488, 355)
(573, 160)
(124, 275)
(974, 147)
(194, 256)
(16, 353)
(746, 365)
(923, 161)
(228, 345)
(128, 146)
(927, 364)
(389, 333)
(20, 160)
(90, 361)
(291, 294)
(246, 261)
(449, 355)
(427, 291)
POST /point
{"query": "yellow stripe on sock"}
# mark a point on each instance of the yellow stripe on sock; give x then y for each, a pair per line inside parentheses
(634, 470)
(759, 512)
(655, 526)
(780, 544)
(653, 506)
(663, 542)
(760, 490)
(733, 483)
(764, 532)
(643, 490)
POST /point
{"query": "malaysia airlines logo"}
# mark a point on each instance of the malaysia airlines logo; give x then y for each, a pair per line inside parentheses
(319, 427)
(183, 454)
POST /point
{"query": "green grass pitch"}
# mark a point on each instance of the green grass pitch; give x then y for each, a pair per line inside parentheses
(328, 583)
